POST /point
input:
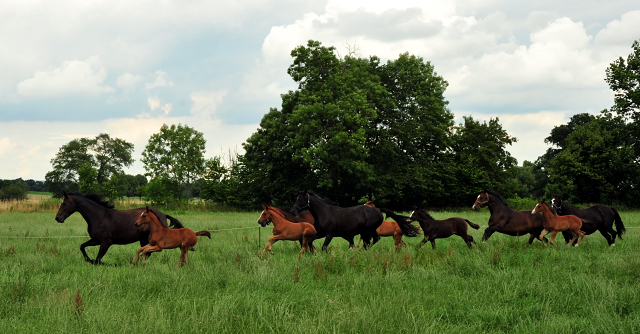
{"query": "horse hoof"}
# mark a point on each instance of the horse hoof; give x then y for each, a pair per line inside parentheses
(612, 245)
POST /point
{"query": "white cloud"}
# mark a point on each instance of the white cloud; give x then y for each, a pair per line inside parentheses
(75, 77)
(27, 154)
(155, 103)
(206, 103)
(620, 32)
(160, 81)
(128, 82)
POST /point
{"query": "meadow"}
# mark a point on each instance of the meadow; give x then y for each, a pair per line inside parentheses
(501, 286)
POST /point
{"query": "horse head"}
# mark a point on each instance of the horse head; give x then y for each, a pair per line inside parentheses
(370, 203)
(481, 201)
(556, 204)
(539, 207)
(66, 208)
(265, 216)
(145, 218)
(302, 202)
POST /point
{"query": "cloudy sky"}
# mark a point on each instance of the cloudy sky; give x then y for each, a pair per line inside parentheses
(72, 69)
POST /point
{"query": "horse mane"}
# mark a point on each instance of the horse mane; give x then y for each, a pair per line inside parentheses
(495, 194)
(96, 198)
(324, 200)
(426, 213)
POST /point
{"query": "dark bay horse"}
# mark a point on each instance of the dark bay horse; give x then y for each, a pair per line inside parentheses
(436, 229)
(505, 220)
(162, 237)
(334, 221)
(554, 224)
(600, 218)
(107, 226)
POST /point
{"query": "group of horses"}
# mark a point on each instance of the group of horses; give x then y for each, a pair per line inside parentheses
(311, 218)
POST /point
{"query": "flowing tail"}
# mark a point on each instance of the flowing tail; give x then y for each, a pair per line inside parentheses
(403, 222)
(174, 222)
(205, 233)
(475, 226)
(619, 225)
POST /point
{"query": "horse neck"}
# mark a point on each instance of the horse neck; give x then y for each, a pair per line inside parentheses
(569, 209)
(426, 217)
(87, 209)
(154, 224)
(546, 212)
(496, 205)
(277, 219)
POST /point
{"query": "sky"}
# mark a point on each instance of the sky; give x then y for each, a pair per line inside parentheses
(72, 69)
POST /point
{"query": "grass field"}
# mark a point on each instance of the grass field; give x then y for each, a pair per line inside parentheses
(502, 286)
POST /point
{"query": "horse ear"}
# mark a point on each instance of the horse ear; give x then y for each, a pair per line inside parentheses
(64, 193)
(147, 208)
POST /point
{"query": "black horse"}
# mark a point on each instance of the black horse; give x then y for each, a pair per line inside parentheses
(334, 221)
(600, 218)
(505, 220)
(436, 229)
(107, 226)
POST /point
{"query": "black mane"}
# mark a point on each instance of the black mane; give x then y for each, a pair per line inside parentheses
(494, 194)
(427, 214)
(96, 198)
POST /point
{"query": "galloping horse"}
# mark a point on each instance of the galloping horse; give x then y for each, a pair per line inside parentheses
(600, 218)
(162, 237)
(284, 229)
(388, 228)
(555, 224)
(505, 220)
(437, 229)
(333, 221)
(107, 226)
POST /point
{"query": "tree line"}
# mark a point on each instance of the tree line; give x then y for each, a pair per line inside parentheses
(357, 128)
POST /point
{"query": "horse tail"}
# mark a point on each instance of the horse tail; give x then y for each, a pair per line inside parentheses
(205, 233)
(475, 226)
(619, 225)
(174, 222)
(403, 222)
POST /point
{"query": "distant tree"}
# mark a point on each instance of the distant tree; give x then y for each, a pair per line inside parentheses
(16, 190)
(104, 154)
(88, 179)
(596, 165)
(176, 154)
(623, 78)
(162, 190)
(482, 146)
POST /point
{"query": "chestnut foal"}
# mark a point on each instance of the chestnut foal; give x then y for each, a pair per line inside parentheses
(388, 228)
(555, 224)
(284, 229)
(161, 237)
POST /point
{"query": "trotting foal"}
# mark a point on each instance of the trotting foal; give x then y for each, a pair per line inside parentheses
(161, 237)
(284, 229)
(555, 224)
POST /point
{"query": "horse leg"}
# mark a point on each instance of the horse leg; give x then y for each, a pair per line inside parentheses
(272, 240)
(487, 233)
(91, 242)
(433, 243)
(573, 238)
(148, 249)
(541, 236)
(424, 241)
(553, 237)
(582, 234)
(104, 247)
(184, 249)
(611, 238)
(350, 240)
(135, 258)
(466, 240)
(327, 240)
(568, 236)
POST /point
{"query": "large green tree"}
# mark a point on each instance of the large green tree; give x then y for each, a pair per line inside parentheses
(106, 155)
(176, 153)
(480, 150)
(354, 128)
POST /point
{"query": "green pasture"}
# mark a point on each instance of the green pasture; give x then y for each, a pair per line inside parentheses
(502, 286)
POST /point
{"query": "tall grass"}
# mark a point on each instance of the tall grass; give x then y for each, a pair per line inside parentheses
(502, 286)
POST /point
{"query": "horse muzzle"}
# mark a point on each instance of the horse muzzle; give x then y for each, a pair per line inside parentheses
(60, 219)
